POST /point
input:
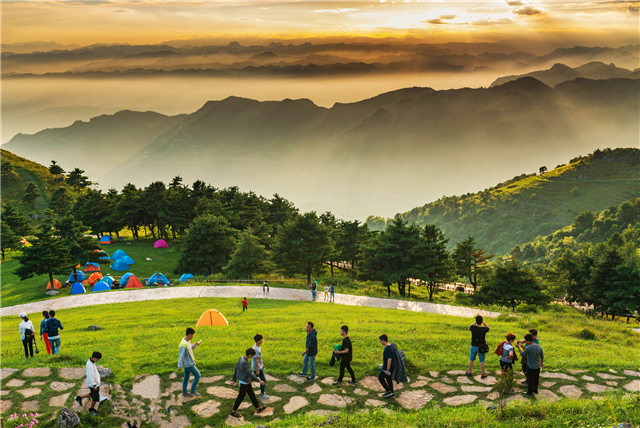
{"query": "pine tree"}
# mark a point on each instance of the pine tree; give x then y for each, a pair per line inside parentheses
(249, 258)
(77, 180)
(18, 222)
(61, 201)
(56, 170)
(435, 262)
(9, 239)
(510, 284)
(469, 260)
(7, 170)
(81, 248)
(30, 194)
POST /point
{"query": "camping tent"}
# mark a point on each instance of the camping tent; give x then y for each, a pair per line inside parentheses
(128, 260)
(158, 279)
(185, 277)
(119, 265)
(103, 255)
(78, 288)
(107, 279)
(211, 317)
(133, 282)
(118, 255)
(77, 276)
(95, 277)
(100, 286)
(125, 278)
(161, 243)
(92, 267)
(106, 240)
(56, 285)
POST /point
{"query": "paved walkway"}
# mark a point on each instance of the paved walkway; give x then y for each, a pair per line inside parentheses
(163, 293)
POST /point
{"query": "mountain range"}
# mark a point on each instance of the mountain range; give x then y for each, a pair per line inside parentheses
(561, 73)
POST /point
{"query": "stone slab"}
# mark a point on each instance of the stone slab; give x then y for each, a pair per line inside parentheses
(297, 379)
(210, 379)
(359, 391)
(489, 380)
(633, 386)
(608, 376)
(442, 388)
(266, 412)
(39, 383)
(148, 388)
(419, 384)
(434, 374)
(37, 372)
(30, 406)
(597, 389)
(446, 379)
(173, 375)
(334, 400)
(294, 404)
(324, 412)
(29, 392)
(272, 399)
(372, 383)
(6, 372)
(235, 422)
(72, 372)
(283, 387)
(574, 372)
(414, 399)
(207, 409)
(13, 383)
(464, 380)
(222, 392)
(4, 392)
(493, 396)
(631, 373)
(554, 375)
(471, 388)
(588, 378)
(372, 402)
(327, 381)
(611, 383)
(459, 400)
(457, 372)
(570, 391)
(548, 384)
(59, 400)
(546, 395)
(270, 378)
(61, 386)
(5, 405)
(313, 389)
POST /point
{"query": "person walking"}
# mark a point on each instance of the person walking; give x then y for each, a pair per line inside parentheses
(508, 353)
(245, 304)
(257, 365)
(265, 287)
(326, 292)
(314, 288)
(388, 366)
(53, 325)
(243, 374)
(187, 361)
(309, 354)
(535, 362)
(479, 345)
(332, 294)
(93, 382)
(27, 333)
(43, 331)
(347, 356)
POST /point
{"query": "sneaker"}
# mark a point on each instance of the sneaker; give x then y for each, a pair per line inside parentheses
(389, 395)
(302, 374)
(194, 394)
(483, 375)
(352, 382)
(264, 396)
(311, 378)
(336, 383)
(468, 373)
(79, 400)
(187, 394)
(93, 411)
(524, 382)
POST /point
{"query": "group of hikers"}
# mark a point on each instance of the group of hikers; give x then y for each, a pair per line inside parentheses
(49, 333)
(329, 291)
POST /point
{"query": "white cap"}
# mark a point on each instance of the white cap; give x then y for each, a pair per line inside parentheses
(23, 315)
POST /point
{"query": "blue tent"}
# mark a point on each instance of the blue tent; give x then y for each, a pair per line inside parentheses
(78, 288)
(106, 240)
(78, 276)
(118, 255)
(107, 279)
(128, 260)
(100, 286)
(119, 265)
(125, 278)
(157, 279)
(185, 276)
(103, 255)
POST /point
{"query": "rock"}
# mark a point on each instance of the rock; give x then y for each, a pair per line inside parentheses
(442, 388)
(611, 383)
(414, 399)
(467, 388)
(313, 389)
(570, 391)
(489, 380)
(546, 395)
(270, 378)
(517, 397)
(327, 380)
(419, 384)
(207, 409)
(148, 388)
(4, 392)
(294, 404)
(52, 292)
(5, 405)
(59, 400)
(14, 383)
(334, 400)
(548, 384)
(613, 371)
(6, 372)
(608, 376)
(234, 422)
(576, 371)
(266, 412)
(434, 374)
(464, 379)
(359, 391)
(457, 372)
(297, 379)
(210, 379)
(37, 372)
(29, 392)
(597, 389)
(633, 386)
(493, 396)
(446, 379)
(374, 403)
(553, 375)
(72, 372)
(283, 387)
(67, 418)
(272, 399)
(39, 383)
(459, 400)
(93, 327)
(104, 372)
(244, 405)
(222, 392)
(173, 375)
(30, 406)
(589, 378)
(631, 373)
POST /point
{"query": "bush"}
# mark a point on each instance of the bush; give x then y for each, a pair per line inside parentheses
(459, 295)
(525, 308)
(508, 318)
(587, 334)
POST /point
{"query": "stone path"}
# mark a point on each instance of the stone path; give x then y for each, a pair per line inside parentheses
(149, 401)
(163, 293)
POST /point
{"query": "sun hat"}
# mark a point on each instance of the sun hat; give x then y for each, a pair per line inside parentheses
(22, 315)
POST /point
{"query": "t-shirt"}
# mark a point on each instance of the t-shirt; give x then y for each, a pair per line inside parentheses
(534, 355)
(388, 353)
(257, 359)
(346, 343)
(477, 335)
(332, 288)
(245, 303)
(326, 288)
(506, 348)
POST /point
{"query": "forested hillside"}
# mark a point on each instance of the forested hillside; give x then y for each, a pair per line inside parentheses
(518, 210)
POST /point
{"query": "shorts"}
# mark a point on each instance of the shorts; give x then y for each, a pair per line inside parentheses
(94, 394)
(476, 351)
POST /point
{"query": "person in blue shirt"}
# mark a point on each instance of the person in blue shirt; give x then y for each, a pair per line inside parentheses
(388, 366)
(332, 294)
(43, 331)
(53, 325)
(309, 354)
(535, 362)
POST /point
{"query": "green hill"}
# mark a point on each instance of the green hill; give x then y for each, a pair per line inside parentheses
(518, 210)
(25, 172)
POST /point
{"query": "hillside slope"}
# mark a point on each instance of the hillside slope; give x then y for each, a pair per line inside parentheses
(516, 211)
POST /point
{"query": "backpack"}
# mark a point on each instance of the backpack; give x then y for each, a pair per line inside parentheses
(29, 335)
(499, 348)
(403, 356)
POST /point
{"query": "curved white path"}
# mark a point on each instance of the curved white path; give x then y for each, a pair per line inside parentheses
(163, 293)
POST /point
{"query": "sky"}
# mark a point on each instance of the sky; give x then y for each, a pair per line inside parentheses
(611, 23)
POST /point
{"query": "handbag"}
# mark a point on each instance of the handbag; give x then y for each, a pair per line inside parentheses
(483, 348)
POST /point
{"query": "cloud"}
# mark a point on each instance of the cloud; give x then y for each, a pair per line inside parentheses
(447, 16)
(515, 3)
(338, 10)
(500, 21)
(436, 21)
(527, 10)
(123, 10)
(632, 9)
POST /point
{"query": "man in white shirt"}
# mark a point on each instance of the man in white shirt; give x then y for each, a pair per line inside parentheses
(93, 382)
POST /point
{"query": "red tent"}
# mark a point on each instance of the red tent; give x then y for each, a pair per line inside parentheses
(133, 282)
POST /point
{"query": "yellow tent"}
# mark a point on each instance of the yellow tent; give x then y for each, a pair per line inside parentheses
(212, 317)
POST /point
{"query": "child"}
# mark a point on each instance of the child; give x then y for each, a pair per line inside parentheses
(245, 305)
(257, 365)
(93, 382)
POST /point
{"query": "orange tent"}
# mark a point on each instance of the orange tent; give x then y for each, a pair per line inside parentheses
(56, 285)
(95, 277)
(211, 317)
(133, 282)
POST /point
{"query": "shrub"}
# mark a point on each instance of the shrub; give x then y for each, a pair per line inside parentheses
(508, 318)
(587, 334)
(528, 309)
(459, 295)
(17, 420)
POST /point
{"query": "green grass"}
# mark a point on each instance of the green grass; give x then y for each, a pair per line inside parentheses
(142, 337)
